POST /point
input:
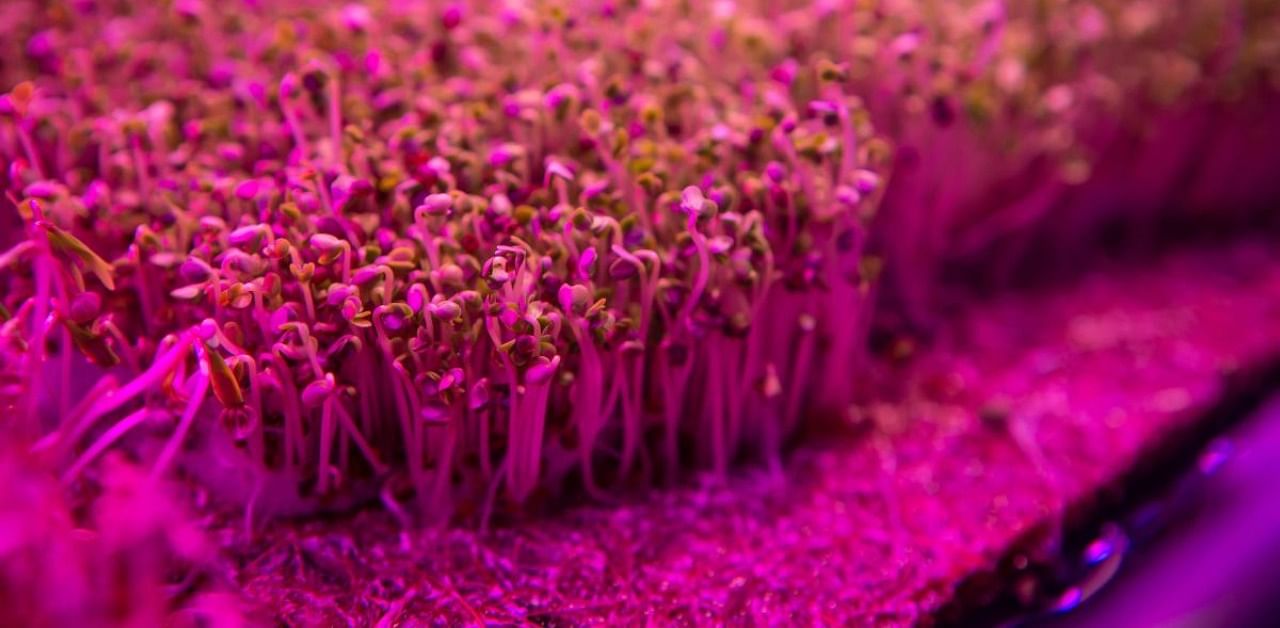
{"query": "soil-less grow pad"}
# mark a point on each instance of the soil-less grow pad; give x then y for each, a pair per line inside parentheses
(1030, 406)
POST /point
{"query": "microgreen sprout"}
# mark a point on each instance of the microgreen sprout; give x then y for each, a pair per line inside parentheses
(444, 252)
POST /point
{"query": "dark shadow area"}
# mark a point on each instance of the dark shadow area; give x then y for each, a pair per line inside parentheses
(1213, 562)
(1053, 571)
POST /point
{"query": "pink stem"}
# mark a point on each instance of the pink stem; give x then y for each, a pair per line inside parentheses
(113, 434)
(184, 425)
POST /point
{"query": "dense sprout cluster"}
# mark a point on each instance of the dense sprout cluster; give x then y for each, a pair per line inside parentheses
(444, 254)
(1023, 129)
(518, 251)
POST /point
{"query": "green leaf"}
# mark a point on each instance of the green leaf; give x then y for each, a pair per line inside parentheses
(225, 385)
(66, 243)
(93, 344)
